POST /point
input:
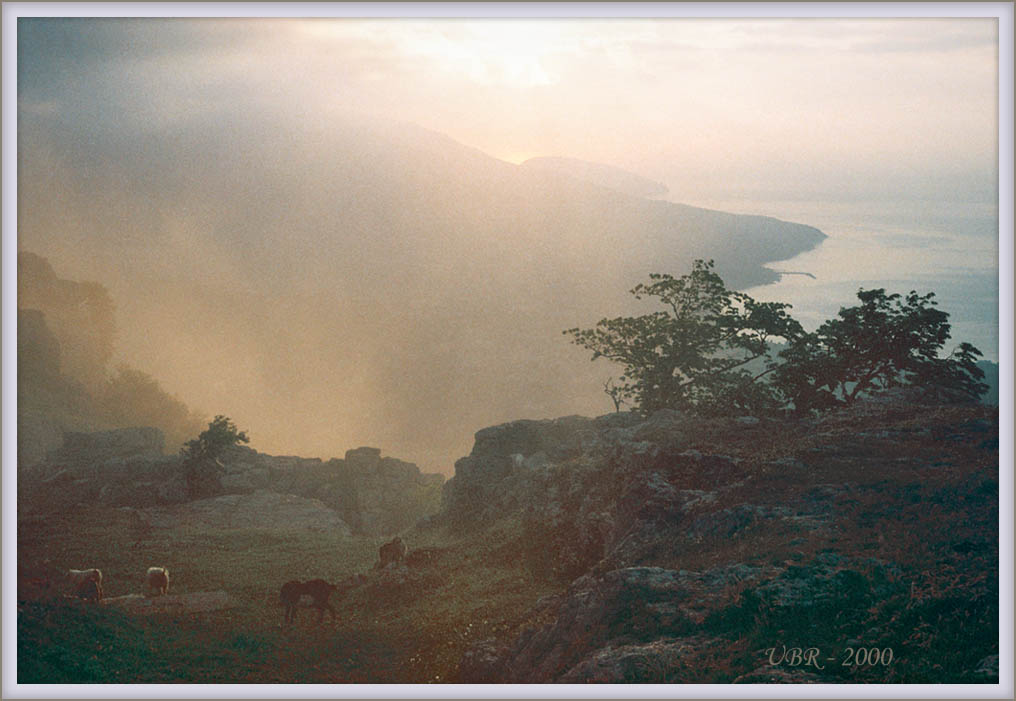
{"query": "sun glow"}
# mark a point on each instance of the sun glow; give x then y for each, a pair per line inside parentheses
(507, 53)
(493, 53)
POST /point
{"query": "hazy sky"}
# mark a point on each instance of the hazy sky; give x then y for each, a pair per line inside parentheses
(819, 107)
(127, 129)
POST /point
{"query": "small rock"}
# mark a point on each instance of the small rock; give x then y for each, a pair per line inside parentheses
(987, 669)
(481, 663)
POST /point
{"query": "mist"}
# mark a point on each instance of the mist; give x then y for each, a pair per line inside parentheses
(320, 228)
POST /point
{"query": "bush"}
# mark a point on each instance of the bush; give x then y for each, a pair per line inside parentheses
(201, 456)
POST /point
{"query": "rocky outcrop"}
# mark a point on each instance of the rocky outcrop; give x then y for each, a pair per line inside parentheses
(375, 495)
(364, 493)
(607, 625)
(134, 482)
(38, 436)
(679, 540)
(619, 489)
(511, 462)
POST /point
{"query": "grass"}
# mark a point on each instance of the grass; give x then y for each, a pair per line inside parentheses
(411, 634)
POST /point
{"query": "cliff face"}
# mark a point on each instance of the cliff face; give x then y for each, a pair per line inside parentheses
(373, 495)
(363, 494)
(687, 547)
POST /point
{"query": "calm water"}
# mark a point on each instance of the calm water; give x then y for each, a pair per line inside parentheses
(949, 250)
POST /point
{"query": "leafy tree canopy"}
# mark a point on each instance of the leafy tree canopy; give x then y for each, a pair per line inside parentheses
(693, 352)
(886, 341)
(710, 348)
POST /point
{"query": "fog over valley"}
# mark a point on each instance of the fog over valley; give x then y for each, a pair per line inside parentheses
(348, 233)
(338, 283)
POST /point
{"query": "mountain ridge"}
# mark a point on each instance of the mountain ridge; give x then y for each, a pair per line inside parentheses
(405, 269)
(602, 174)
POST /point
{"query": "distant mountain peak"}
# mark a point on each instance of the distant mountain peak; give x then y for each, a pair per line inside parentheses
(600, 174)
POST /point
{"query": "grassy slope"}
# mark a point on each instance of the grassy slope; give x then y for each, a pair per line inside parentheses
(417, 634)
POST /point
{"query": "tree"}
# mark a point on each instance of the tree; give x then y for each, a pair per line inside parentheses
(614, 392)
(886, 341)
(693, 352)
(201, 456)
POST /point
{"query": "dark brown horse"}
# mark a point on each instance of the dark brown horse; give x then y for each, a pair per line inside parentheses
(317, 589)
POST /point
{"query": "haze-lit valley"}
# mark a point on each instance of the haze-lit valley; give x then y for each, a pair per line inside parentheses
(277, 253)
(363, 241)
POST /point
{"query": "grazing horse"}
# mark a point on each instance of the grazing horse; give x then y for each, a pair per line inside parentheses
(85, 584)
(89, 590)
(157, 581)
(317, 589)
(391, 553)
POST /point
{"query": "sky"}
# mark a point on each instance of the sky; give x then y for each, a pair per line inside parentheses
(821, 107)
(772, 116)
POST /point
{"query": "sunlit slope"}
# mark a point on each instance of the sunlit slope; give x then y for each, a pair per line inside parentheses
(598, 174)
(329, 282)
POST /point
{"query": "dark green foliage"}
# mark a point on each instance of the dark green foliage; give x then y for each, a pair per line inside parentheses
(213, 441)
(201, 456)
(942, 638)
(886, 341)
(712, 349)
(692, 353)
(67, 643)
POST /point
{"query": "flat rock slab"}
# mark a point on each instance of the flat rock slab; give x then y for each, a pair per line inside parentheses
(195, 602)
(260, 509)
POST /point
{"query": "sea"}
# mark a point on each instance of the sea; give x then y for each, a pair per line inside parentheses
(951, 250)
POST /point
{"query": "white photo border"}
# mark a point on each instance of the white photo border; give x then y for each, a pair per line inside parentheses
(1003, 11)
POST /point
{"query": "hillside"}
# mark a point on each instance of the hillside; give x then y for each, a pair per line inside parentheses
(413, 275)
(669, 549)
(598, 174)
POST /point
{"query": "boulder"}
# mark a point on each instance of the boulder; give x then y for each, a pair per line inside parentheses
(244, 478)
(558, 438)
(482, 663)
(987, 670)
(771, 674)
(512, 462)
(656, 662)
